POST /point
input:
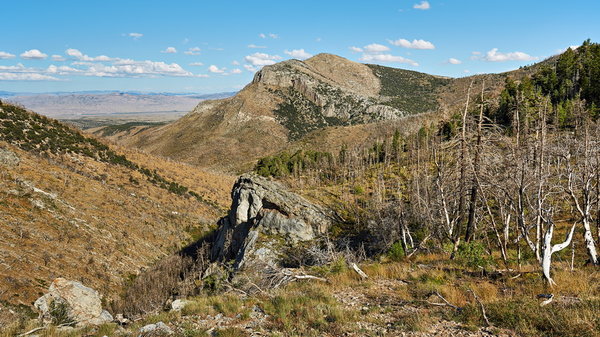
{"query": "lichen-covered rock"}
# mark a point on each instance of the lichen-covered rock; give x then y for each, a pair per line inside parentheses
(8, 158)
(264, 218)
(73, 302)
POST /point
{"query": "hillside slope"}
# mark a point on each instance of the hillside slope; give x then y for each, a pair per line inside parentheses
(284, 103)
(72, 207)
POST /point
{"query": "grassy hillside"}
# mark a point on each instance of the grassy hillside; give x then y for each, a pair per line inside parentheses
(72, 206)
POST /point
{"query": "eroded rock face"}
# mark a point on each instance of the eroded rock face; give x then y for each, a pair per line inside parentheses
(83, 304)
(265, 218)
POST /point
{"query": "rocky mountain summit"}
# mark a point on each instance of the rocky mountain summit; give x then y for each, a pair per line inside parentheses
(284, 104)
(265, 218)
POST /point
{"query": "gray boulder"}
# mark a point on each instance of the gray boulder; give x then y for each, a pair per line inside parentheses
(265, 218)
(71, 301)
(8, 158)
(155, 330)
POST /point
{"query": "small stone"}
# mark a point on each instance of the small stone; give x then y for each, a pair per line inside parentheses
(157, 329)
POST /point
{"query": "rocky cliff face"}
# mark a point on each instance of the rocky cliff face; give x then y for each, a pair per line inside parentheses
(264, 218)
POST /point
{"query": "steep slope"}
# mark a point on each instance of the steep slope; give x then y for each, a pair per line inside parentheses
(284, 103)
(73, 207)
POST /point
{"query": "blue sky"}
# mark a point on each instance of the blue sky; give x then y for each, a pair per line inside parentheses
(215, 46)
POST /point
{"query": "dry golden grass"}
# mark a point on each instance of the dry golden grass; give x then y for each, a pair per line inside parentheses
(74, 217)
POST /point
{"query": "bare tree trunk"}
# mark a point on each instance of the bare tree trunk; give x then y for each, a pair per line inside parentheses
(549, 249)
(470, 232)
(463, 175)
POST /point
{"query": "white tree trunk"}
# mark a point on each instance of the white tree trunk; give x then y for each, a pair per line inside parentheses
(548, 250)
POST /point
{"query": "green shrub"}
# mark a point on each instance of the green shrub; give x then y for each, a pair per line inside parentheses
(473, 255)
(396, 252)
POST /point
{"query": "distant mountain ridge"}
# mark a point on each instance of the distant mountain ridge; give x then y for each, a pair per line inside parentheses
(72, 105)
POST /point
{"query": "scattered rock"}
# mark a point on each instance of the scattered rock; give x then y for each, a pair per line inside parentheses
(178, 305)
(157, 329)
(8, 158)
(264, 217)
(70, 300)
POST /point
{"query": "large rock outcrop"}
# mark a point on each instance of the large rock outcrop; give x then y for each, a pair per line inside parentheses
(73, 302)
(264, 219)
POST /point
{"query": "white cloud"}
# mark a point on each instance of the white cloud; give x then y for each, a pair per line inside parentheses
(33, 54)
(135, 36)
(5, 55)
(214, 69)
(415, 44)
(452, 60)
(250, 68)
(299, 54)
(197, 64)
(92, 66)
(375, 48)
(270, 35)
(236, 71)
(466, 71)
(495, 56)
(169, 50)
(62, 70)
(58, 58)
(318, 39)
(262, 59)
(253, 46)
(26, 77)
(423, 5)
(388, 58)
(235, 63)
(356, 49)
(190, 51)
(82, 57)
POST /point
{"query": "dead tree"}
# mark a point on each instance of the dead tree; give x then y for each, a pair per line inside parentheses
(548, 249)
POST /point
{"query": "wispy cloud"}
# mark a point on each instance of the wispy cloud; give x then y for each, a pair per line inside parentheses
(270, 35)
(82, 57)
(495, 56)
(196, 64)
(4, 55)
(356, 49)
(253, 46)
(169, 50)
(299, 54)
(415, 44)
(452, 60)
(387, 58)
(58, 58)
(375, 48)
(236, 71)
(33, 54)
(423, 5)
(135, 36)
(192, 51)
